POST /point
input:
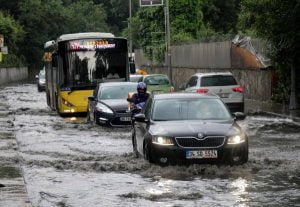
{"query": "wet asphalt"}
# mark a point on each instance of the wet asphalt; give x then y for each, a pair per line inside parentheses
(48, 161)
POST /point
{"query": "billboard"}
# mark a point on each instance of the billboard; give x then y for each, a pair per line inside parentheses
(151, 2)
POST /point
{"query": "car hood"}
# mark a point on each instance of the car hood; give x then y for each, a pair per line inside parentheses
(116, 104)
(193, 128)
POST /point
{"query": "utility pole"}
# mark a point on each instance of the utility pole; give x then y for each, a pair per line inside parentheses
(168, 35)
(130, 29)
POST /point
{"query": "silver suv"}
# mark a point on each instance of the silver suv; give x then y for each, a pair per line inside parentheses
(222, 84)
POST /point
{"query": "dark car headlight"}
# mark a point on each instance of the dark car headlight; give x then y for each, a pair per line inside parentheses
(103, 108)
(236, 139)
(160, 140)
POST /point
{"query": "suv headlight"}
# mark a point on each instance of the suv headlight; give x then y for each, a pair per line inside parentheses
(102, 108)
(167, 141)
(237, 139)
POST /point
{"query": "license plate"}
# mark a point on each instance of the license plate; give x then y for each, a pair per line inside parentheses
(202, 154)
(125, 118)
(223, 95)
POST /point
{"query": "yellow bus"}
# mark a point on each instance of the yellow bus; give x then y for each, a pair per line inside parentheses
(76, 63)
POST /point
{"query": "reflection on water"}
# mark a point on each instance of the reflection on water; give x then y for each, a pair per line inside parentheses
(239, 191)
(161, 187)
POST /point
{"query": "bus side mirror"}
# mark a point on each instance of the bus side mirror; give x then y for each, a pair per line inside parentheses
(132, 67)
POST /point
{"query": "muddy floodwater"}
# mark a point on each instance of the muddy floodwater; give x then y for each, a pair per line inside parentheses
(68, 162)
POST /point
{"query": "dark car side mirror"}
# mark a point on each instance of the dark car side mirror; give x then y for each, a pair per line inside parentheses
(239, 116)
(91, 98)
(37, 77)
(140, 118)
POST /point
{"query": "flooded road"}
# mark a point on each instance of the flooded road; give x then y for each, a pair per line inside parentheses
(68, 162)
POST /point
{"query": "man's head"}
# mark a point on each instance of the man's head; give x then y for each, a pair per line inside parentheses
(141, 88)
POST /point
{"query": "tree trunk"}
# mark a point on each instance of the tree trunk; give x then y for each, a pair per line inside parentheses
(293, 97)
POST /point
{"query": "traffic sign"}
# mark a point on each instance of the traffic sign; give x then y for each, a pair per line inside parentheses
(151, 2)
(1, 40)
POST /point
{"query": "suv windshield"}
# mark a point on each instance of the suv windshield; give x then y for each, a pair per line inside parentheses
(218, 80)
(193, 109)
(157, 80)
(116, 92)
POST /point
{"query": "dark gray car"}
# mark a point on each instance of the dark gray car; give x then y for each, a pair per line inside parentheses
(109, 106)
(189, 128)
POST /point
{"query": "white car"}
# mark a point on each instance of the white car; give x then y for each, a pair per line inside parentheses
(222, 84)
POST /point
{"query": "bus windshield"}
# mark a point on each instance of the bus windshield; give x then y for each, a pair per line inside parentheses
(88, 62)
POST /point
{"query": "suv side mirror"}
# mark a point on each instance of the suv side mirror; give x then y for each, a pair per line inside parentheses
(239, 116)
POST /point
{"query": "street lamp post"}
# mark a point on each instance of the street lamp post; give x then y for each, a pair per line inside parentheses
(130, 29)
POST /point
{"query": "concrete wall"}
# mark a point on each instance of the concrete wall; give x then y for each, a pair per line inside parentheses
(201, 55)
(8, 75)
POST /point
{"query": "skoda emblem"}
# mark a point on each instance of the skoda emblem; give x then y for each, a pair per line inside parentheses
(200, 136)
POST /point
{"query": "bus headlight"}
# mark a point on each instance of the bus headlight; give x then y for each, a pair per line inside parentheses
(237, 139)
(167, 141)
(65, 102)
(103, 108)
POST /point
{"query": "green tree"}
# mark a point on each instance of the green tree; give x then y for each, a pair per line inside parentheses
(85, 16)
(42, 20)
(118, 11)
(278, 22)
(10, 6)
(186, 21)
(13, 34)
(221, 16)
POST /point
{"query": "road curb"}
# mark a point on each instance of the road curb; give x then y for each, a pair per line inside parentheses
(13, 191)
(274, 114)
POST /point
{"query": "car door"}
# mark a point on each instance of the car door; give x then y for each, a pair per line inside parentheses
(192, 84)
(141, 128)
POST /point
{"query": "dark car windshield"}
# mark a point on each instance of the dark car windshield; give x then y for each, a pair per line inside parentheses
(116, 92)
(218, 80)
(192, 109)
(157, 80)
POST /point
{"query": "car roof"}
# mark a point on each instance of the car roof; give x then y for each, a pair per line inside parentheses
(118, 84)
(184, 96)
(211, 74)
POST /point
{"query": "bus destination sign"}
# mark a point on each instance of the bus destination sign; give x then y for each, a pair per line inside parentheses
(90, 45)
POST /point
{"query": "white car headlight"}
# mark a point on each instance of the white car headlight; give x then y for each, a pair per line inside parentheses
(237, 139)
(102, 108)
(162, 140)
